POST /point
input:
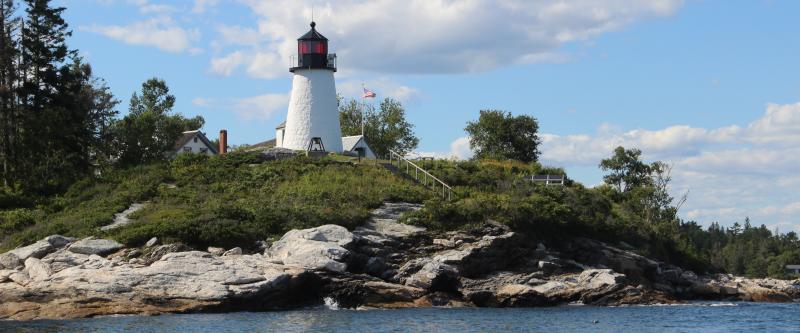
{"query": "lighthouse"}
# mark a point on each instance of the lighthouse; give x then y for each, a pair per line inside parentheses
(312, 122)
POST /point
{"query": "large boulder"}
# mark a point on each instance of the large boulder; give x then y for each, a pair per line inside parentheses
(35, 250)
(320, 248)
(518, 295)
(63, 259)
(5, 273)
(37, 270)
(236, 251)
(95, 246)
(434, 275)
(58, 241)
(177, 282)
(329, 233)
(9, 260)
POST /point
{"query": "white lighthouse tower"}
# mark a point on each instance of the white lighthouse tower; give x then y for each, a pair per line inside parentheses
(313, 119)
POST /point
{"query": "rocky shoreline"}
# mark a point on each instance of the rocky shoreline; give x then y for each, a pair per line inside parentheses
(382, 264)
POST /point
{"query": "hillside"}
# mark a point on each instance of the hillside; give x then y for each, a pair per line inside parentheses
(239, 199)
(227, 201)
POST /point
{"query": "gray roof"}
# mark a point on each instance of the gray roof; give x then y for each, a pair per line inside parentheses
(264, 144)
(312, 34)
(350, 142)
(189, 135)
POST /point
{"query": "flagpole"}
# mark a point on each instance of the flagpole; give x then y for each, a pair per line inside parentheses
(363, 109)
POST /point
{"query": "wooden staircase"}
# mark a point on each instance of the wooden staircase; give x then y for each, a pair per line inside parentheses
(398, 164)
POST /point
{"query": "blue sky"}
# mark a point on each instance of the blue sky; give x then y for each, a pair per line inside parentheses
(709, 86)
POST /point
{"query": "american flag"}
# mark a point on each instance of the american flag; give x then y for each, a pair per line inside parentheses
(368, 93)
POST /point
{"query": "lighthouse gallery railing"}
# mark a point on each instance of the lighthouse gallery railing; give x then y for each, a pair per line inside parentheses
(427, 179)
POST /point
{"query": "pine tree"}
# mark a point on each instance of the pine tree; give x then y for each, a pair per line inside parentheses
(52, 128)
(8, 79)
(149, 131)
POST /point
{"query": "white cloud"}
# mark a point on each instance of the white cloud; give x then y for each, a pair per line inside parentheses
(261, 107)
(227, 64)
(146, 7)
(731, 172)
(237, 35)
(398, 36)
(200, 6)
(460, 149)
(158, 32)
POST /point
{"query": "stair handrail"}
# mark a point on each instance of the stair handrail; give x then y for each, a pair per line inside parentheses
(447, 191)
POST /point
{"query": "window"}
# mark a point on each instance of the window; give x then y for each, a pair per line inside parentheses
(203, 150)
(189, 149)
(312, 47)
(195, 139)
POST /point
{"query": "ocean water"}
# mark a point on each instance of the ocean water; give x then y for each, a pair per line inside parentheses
(695, 317)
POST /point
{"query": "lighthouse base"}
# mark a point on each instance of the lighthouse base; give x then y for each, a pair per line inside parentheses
(313, 112)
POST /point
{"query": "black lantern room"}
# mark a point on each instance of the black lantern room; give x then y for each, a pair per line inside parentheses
(312, 52)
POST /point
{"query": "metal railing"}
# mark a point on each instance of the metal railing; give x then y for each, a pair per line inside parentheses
(332, 60)
(426, 178)
(547, 179)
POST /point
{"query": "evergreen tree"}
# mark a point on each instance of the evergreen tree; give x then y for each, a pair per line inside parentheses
(149, 131)
(8, 86)
(46, 134)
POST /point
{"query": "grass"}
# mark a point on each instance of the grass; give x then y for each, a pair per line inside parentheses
(227, 201)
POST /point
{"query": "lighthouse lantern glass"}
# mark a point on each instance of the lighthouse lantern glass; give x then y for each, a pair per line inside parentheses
(312, 47)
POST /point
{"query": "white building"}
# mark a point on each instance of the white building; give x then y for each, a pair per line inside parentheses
(313, 107)
(195, 142)
(355, 144)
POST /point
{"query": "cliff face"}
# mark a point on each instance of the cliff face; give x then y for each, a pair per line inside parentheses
(381, 264)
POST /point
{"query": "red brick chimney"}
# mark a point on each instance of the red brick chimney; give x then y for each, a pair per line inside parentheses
(223, 142)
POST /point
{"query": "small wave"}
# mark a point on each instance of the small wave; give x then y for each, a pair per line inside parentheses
(330, 303)
(723, 304)
(690, 304)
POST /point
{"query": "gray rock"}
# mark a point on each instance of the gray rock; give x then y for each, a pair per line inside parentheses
(152, 242)
(121, 219)
(262, 246)
(9, 260)
(63, 259)
(518, 295)
(159, 251)
(35, 250)
(319, 248)
(329, 233)
(217, 251)
(58, 241)
(236, 251)
(434, 276)
(443, 242)
(94, 246)
(20, 278)
(4, 273)
(375, 266)
(37, 270)
(278, 153)
(382, 226)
